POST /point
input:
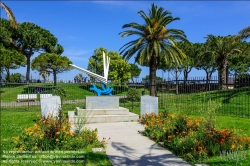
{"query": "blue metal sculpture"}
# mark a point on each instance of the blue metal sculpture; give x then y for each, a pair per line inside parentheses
(103, 91)
(103, 79)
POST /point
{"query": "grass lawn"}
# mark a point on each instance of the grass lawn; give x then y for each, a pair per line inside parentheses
(234, 102)
(74, 91)
(13, 122)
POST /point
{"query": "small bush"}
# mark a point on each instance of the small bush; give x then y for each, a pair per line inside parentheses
(60, 92)
(133, 94)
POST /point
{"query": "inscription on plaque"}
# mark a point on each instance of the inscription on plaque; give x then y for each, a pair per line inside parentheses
(50, 106)
(102, 102)
(149, 104)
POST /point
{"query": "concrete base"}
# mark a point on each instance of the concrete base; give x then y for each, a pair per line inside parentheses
(83, 116)
(89, 112)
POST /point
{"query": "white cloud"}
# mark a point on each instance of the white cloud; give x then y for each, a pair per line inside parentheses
(75, 52)
(76, 59)
(77, 55)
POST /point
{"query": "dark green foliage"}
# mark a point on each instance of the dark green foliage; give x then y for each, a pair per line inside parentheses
(242, 81)
(146, 79)
(29, 38)
(133, 94)
(15, 77)
(222, 47)
(245, 33)
(10, 59)
(119, 69)
(135, 71)
(51, 63)
(60, 92)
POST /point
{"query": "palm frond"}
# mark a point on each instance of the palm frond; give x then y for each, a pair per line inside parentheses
(10, 14)
(245, 33)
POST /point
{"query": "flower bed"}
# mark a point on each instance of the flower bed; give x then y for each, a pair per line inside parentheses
(193, 139)
(54, 134)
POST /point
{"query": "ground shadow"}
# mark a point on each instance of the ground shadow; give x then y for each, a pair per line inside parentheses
(133, 158)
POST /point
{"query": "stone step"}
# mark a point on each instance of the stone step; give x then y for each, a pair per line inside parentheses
(102, 118)
(84, 112)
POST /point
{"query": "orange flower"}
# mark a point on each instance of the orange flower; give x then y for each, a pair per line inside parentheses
(57, 140)
(233, 146)
(57, 133)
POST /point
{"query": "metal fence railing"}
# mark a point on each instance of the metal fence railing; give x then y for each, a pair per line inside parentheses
(193, 95)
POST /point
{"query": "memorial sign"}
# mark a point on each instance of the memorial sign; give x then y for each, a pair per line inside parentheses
(149, 104)
(50, 106)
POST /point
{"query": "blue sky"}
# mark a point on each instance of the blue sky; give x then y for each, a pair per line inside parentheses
(83, 26)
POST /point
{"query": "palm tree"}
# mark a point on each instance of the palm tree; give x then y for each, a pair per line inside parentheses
(10, 14)
(245, 33)
(205, 61)
(155, 41)
(222, 47)
(77, 78)
(44, 74)
(80, 77)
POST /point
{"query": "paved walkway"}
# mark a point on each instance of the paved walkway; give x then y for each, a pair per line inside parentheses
(129, 148)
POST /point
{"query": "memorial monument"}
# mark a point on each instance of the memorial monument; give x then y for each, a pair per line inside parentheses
(101, 109)
(102, 79)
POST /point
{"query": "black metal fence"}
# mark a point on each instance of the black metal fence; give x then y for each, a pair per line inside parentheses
(193, 95)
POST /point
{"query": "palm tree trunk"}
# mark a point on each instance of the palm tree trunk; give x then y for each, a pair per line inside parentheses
(227, 72)
(222, 72)
(185, 77)
(152, 75)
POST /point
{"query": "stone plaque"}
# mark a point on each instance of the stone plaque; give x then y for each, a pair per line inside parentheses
(149, 104)
(102, 102)
(50, 106)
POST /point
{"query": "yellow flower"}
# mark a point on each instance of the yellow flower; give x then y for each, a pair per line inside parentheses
(41, 136)
(57, 133)
(57, 140)
(35, 147)
(16, 138)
